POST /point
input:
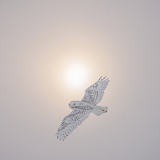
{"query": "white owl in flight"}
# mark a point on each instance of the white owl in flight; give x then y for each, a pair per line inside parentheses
(82, 109)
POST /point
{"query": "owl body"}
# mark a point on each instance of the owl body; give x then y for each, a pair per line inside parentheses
(81, 105)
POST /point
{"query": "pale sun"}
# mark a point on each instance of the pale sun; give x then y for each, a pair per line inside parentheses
(76, 75)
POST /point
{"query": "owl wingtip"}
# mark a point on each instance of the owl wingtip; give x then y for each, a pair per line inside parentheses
(104, 78)
(100, 78)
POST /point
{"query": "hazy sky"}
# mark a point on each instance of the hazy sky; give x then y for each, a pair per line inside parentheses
(40, 39)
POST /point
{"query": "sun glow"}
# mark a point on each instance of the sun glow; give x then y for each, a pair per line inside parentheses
(76, 75)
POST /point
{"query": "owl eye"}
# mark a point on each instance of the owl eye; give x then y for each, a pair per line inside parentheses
(73, 103)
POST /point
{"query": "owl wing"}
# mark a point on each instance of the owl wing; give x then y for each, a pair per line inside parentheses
(70, 122)
(94, 93)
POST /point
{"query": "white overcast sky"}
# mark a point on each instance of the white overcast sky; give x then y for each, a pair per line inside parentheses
(117, 38)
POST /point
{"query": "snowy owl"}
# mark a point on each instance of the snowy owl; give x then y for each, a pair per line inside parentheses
(82, 109)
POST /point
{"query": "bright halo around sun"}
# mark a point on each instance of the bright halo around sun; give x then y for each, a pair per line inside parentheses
(76, 75)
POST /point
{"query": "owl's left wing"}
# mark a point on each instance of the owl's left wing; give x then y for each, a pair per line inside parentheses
(70, 122)
(94, 93)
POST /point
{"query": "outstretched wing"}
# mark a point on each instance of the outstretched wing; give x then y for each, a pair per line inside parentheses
(94, 93)
(70, 122)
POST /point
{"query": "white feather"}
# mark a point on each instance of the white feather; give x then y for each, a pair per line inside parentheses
(94, 93)
(70, 122)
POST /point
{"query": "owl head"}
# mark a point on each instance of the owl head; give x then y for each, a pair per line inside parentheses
(73, 104)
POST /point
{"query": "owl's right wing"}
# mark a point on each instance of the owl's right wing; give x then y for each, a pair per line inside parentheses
(94, 93)
(70, 122)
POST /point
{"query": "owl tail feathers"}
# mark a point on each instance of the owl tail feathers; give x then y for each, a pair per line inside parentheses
(98, 110)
